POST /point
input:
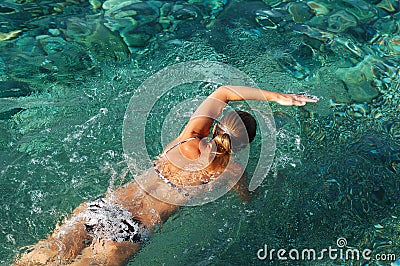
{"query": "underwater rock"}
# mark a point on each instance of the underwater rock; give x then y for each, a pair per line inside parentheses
(13, 88)
(100, 41)
(64, 56)
(388, 5)
(359, 110)
(28, 48)
(360, 90)
(386, 26)
(78, 29)
(9, 35)
(313, 32)
(295, 68)
(92, 34)
(359, 80)
(363, 11)
(317, 8)
(109, 4)
(264, 20)
(330, 89)
(269, 18)
(8, 114)
(342, 45)
(247, 13)
(304, 52)
(340, 21)
(272, 2)
(174, 17)
(388, 45)
(12, 14)
(134, 38)
(300, 12)
(214, 7)
(128, 14)
(8, 8)
(393, 128)
(96, 4)
(52, 45)
(55, 32)
(140, 22)
(184, 12)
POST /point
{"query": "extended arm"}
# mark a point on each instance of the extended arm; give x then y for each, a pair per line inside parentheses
(201, 121)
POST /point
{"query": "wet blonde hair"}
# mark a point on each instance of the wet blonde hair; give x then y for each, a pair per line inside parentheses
(234, 131)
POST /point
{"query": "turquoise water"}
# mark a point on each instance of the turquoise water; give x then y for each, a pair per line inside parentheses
(69, 69)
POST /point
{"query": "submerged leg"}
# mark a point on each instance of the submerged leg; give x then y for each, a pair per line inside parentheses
(107, 252)
(61, 247)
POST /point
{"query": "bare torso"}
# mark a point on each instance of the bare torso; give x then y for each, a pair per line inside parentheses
(144, 196)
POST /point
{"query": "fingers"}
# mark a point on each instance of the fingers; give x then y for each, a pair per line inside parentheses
(295, 99)
(304, 98)
(301, 100)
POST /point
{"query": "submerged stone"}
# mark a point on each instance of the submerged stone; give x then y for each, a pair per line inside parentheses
(64, 56)
(265, 21)
(388, 5)
(317, 8)
(184, 12)
(363, 11)
(108, 4)
(78, 29)
(9, 114)
(329, 86)
(386, 26)
(388, 45)
(272, 2)
(52, 45)
(293, 67)
(359, 80)
(314, 33)
(96, 4)
(300, 12)
(100, 41)
(13, 88)
(134, 38)
(6, 8)
(340, 21)
(9, 35)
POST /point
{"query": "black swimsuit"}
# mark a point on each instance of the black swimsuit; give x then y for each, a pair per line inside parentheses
(107, 220)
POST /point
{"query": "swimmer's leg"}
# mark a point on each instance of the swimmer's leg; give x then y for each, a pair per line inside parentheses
(107, 252)
(66, 242)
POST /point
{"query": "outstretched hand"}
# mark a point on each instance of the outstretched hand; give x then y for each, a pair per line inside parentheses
(293, 99)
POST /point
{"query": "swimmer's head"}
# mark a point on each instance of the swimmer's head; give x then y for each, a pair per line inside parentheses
(234, 131)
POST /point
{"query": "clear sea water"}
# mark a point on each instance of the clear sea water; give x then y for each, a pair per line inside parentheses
(69, 68)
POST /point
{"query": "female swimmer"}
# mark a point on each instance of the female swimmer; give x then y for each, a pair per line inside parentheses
(110, 230)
